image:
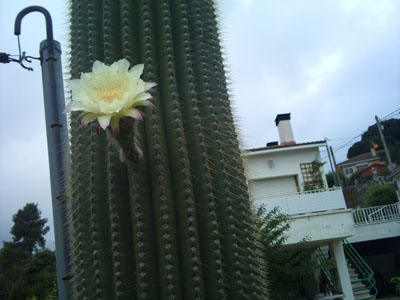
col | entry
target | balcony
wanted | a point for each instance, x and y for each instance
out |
(376, 214)
(306, 202)
(376, 222)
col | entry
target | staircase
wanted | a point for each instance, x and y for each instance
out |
(326, 263)
(361, 275)
(360, 290)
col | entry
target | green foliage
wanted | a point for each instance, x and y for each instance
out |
(23, 273)
(352, 180)
(385, 172)
(29, 228)
(317, 180)
(391, 132)
(396, 282)
(20, 290)
(40, 273)
(380, 195)
(289, 269)
(35, 275)
(329, 179)
(12, 259)
(175, 223)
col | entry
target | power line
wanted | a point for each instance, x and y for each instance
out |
(391, 114)
(344, 145)
(352, 139)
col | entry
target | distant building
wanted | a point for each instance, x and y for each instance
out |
(365, 161)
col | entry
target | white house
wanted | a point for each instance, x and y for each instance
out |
(285, 175)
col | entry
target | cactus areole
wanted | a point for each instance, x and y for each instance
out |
(159, 207)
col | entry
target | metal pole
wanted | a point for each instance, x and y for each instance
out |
(384, 143)
(330, 162)
(57, 143)
(336, 168)
(57, 135)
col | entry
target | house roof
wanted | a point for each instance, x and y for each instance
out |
(362, 157)
(287, 146)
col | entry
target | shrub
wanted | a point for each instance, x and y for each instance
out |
(380, 195)
(396, 282)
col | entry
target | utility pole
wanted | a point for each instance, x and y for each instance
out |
(334, 163)
(57, 135)
(384, 143)
(333, 171)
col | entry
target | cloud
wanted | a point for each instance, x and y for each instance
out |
(246, 3)
(325, 68)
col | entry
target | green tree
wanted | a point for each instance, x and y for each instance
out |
(40, 273)
(290, 270)
(12, 259)
(329, 179)
(380, 195)
(24, 273)
(20, 291)
(29, 228)
(391, 132)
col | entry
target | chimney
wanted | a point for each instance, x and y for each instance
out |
(373, 152)
(282, 121)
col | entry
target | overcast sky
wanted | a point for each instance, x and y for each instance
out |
(333, 64)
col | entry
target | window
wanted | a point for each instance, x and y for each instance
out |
(307, 172)
(348, 170)
(361, 167)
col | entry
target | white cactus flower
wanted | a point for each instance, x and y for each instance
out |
(110, 93)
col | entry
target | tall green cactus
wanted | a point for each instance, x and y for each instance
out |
(175, 223)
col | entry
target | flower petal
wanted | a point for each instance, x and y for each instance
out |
(104, 121)
(76, 105)
(149, 85)
(144, 103)
(143, 96)
(137, 70)
(133, 113)
(97, 66)
(109, 108)
(67, 108)
(87, 119)
(122, 65)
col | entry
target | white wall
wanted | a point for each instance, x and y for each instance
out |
(286, 162)
(321, 227)
(301, 203)
(376, 231)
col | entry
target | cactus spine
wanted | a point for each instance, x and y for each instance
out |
(176, 223)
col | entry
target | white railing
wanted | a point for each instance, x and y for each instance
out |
(306, 202)
(376, 214)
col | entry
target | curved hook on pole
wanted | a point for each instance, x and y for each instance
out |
(49, 25)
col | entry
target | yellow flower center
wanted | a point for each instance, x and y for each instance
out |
(109, 95)
(110, 91)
